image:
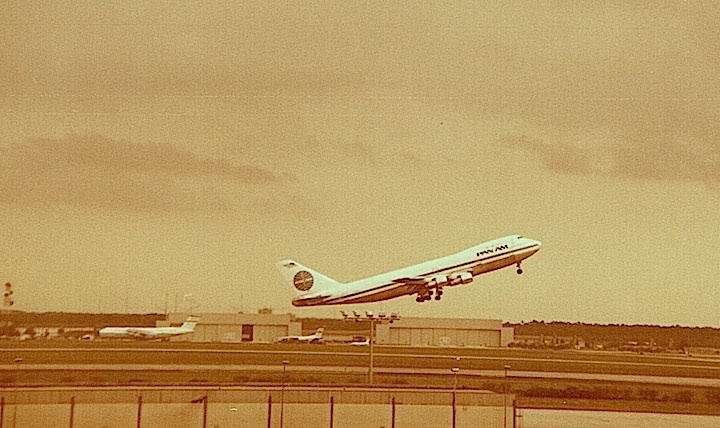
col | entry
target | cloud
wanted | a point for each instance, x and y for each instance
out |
(652, 160)
(98, 172)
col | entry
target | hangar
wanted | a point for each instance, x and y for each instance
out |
(264, 327)
(234, 328)
(444, 332)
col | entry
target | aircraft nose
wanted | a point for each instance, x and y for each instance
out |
(534, 243)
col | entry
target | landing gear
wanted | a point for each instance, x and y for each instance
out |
(425, 297)
(519, 270)
(429, 295)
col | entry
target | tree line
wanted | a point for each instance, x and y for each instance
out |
(619, 335)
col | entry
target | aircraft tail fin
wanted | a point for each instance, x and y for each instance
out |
(302, 278)
(190, 323)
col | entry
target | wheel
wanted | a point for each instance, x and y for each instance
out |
(438, 297)
(519, 271)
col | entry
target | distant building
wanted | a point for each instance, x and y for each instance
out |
(235, 328)
(548, 342)
(462, 332)
(264, 327)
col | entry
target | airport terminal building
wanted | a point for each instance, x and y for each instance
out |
(421, 332)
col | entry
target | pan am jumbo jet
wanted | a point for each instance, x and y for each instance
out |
(424, 279)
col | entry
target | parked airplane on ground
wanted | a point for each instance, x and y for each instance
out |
(312, 338)
(149, 332)
(422, 279)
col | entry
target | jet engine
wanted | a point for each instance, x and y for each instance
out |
(438, 281)
(461, 278)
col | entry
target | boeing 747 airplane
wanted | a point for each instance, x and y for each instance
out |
(424, 279)
(149, 332)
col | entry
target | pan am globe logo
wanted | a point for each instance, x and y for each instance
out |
(303, 280)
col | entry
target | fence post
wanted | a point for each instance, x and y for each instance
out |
(2, 411)
(139, 416)
(393, 412)
(204, 400)
(205, 412)
(332, 410)
(269, 411)
(454, 409)
(72, 411)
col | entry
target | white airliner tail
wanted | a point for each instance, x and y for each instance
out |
(190, 323)
(304, 279)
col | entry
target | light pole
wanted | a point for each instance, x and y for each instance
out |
(282, 392)
(455, 371)
(371, 344)
(18, 360)
(505, 368)
(17, 370)
(381, 318)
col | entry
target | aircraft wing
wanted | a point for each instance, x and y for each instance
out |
(437, 279)
(418, 280)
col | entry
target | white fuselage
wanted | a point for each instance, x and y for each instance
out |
(301, 339)
(142, 332)
(486, 257)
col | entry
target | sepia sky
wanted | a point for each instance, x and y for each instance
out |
(159, 149)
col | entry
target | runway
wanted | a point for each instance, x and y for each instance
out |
(327, 359)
